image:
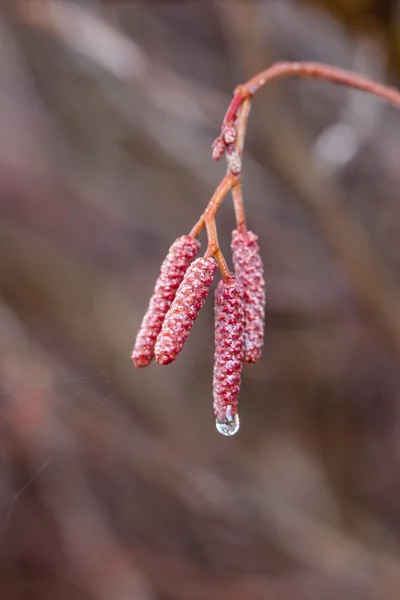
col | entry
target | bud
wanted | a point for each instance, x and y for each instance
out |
(188, 302)
(218, 149)
(233, 160)
(229, 353)
(173, 269)
(229, 134)
(250, 275)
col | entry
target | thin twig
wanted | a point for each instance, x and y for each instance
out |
(314, 71)
(231, 140)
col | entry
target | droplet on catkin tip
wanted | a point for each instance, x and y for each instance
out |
(228, 427)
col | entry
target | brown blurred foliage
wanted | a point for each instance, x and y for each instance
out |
(114, 483)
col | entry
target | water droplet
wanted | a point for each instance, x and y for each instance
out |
(226, 427)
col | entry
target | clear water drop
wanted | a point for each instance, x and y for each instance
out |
(225, 427)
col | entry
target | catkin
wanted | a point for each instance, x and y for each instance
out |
(229, 349)
(249, 272)
(188, 302)
(173, 269)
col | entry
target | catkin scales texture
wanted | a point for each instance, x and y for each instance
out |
(188, 302)
(249, 272)
(229, 349)
(173, 269)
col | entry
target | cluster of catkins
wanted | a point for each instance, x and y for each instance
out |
(179, 294)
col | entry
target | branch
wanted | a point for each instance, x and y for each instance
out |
(233, 131)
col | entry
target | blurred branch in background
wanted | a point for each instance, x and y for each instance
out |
(114, 484)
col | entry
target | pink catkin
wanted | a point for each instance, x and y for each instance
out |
(229, 349)
(187, 304)
(250, 276)
(173, 269)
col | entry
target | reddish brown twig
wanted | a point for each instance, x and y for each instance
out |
(305, 70)
(231, 140)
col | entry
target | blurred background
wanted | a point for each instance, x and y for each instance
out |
(114, 483)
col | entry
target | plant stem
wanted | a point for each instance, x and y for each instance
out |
(235, 124)
(313, 71)
(237, 195)
(214, 204)
(239, 205)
